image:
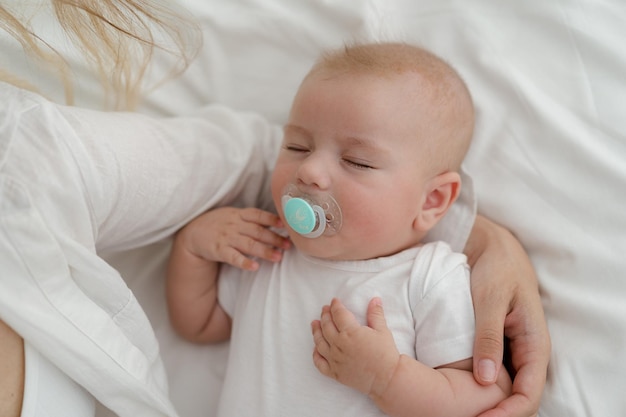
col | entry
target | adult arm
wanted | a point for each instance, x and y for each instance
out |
(507, 303)
(11, 372)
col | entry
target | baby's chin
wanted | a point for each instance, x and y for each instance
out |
(323, 247)
(334, 248)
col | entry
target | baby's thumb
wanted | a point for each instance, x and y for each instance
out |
(376, 315)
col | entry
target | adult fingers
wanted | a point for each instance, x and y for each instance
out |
(530, 354)
(490, 311)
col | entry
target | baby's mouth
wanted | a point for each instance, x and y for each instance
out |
(311, 215)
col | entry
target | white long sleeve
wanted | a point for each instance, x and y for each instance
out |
(75, 181)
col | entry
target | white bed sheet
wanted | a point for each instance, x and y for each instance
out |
(548, 159)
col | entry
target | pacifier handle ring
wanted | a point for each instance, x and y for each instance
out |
(321, 222)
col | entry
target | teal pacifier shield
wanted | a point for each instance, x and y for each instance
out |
(300, 215)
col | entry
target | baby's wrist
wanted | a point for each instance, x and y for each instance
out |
(384, 379)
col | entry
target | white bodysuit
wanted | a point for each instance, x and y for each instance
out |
(427, 303)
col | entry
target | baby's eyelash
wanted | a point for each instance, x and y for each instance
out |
(358, 165)
(295, 148)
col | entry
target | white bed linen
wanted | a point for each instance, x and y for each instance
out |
(548, 159)
(548, 79)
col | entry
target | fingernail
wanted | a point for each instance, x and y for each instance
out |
(487, 370)
(252, 266)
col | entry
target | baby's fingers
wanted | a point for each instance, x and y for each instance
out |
(342, 318)
(262, 217)
(321, 350)
(264, 236)
(253, 247)
(327, 325)
(237, 259)
(321, 363)
(321, 345)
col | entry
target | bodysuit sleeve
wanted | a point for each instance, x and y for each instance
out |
(443, 310)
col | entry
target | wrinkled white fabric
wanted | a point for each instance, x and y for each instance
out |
(49, 392)
(74, 182)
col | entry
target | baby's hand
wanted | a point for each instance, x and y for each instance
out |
(233, 235)
(362, 357)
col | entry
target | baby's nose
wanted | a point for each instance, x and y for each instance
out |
(314, 171)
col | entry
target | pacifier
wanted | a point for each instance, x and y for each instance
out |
(311, 216)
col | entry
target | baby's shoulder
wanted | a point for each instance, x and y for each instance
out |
(436, 262)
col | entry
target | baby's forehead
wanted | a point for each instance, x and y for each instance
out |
(437, 87)
(384, 59)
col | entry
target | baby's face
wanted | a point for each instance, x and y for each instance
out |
(357, 138)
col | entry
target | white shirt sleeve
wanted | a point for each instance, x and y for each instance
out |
(146, 177)
(75, 182)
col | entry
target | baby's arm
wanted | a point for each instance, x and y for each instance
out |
(221, 235)
(192, 295)
(366, 358)
(449, 390)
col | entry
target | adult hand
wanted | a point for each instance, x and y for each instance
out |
(234, 235)
(507, 302)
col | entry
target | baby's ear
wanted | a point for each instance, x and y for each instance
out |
(439, 194)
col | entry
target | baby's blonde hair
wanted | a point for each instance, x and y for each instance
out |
(448, 94)
(117, 37)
